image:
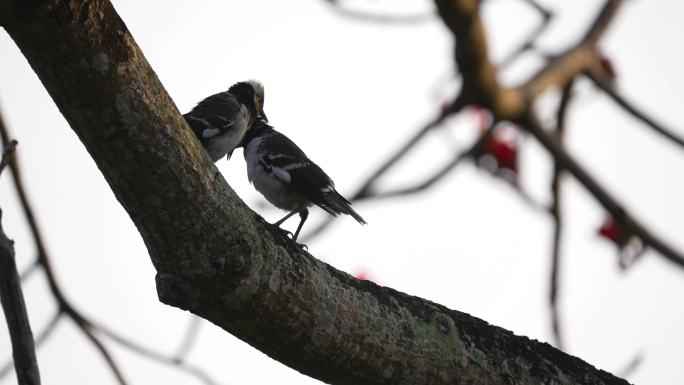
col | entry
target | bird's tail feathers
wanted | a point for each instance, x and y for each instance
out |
(337, 203)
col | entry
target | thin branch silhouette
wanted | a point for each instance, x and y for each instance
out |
(13, 304)
(556, 214)
(608, 88)
(40, 338)
(528, 42)
(618, 212)
(86, 326)
(377, 17)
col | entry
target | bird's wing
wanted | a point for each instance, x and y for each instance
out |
(215, 115)
(287, 162)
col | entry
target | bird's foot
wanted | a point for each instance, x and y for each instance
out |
(283, 233)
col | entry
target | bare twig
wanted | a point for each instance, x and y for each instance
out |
(189, 338)
(565, 67)
(427, 183)
(556, 214)
(86, 327)
(458, 157)
(365, 191)
(41, 337)
(29, 270)
(44, 260)
(7, 154)
(529, 41)
(381, 18)
(366, 186)
(611, 205)
(538, 7)
(180, 364)
(606, 86)
(631, 366)
(13, 305)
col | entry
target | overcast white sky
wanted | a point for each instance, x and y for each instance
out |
(348, 93)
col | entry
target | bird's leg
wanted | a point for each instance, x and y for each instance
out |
(303, 214)
(291, 213)
(284, 232)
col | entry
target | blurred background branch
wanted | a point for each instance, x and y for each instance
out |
(90, 329)
(12, 298)
(480, 87)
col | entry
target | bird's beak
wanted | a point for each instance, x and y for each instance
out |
(230, 154)
(263, 115)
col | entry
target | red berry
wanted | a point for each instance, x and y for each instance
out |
(607, 66)
(505, 152)
(611, 230)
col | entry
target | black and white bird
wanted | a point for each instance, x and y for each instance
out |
(287, 178)
(221, 120)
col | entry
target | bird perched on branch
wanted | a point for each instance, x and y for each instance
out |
(287, 178)
(221, 120)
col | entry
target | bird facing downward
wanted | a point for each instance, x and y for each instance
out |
(221, 120)
(287, 178)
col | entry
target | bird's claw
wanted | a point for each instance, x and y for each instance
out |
(283, 232)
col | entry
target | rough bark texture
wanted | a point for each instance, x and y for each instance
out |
(217, 259)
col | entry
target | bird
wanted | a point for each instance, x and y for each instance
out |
(287, 178)
(221, 120)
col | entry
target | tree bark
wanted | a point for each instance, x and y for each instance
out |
(217, 259)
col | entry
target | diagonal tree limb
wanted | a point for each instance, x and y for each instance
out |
(618, 212)
(216, 258)
(366, 189)
(606, 86)
(151, 354)
(428, 182)
(367, 185)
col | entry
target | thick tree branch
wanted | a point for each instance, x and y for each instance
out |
(216, 258)
(480, 84)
